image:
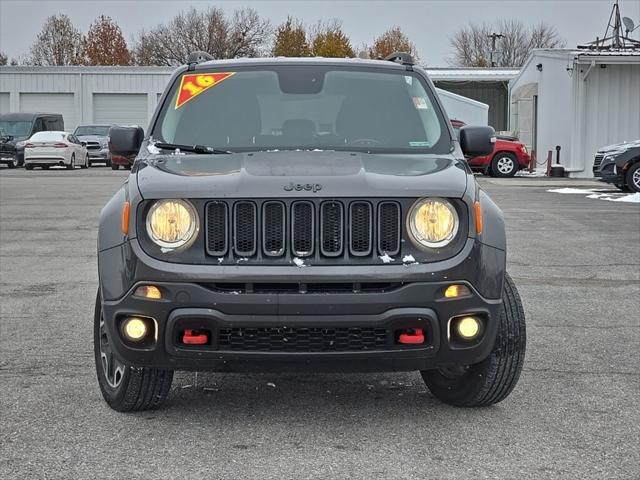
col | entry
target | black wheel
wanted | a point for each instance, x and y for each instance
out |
(114, 166)
(72, 164)
(127, 167)
(45, 167)
(504, 165)
(493, 379)
(633, 178)
(13, 163)
(126, 388)
(622, 187)
(107, 163)
(86, 162)
(28, 166)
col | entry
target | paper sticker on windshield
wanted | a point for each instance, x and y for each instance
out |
(193, 85)
(420, 103)
(419, 144)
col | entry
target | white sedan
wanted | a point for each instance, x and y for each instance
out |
(48, 149)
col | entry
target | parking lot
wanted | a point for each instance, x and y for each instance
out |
(574, 414)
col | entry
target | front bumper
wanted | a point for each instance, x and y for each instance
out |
(99, 155)
(190, 301)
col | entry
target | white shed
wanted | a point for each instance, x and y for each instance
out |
(579, 100)
(462, 108)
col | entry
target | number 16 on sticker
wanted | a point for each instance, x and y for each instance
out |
(193, 85)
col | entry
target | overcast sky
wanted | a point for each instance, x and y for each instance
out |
(428, 23)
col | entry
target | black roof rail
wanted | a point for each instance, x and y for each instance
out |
(403, 58)
(196, 57)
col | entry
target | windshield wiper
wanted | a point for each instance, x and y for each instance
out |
(191, 148)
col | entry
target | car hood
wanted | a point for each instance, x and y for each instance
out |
(619, 146)
(299, 174)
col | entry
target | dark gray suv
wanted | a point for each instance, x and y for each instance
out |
(304, 215)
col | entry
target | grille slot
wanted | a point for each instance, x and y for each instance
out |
(273, 228)
(244, 229)
(360, 229)
(302, 226)
(302, 339)
(217, 228)
(331, 228)
(389, 228)
(598, 159)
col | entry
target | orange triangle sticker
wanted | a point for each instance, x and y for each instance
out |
(194, 84)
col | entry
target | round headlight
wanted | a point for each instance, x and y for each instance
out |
(172, 223)
(433, 222)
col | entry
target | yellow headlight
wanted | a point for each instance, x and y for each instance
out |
(172, 223)
(433, 222)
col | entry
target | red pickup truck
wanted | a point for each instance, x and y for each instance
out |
(508, 156)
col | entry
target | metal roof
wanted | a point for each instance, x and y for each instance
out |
(473, 74)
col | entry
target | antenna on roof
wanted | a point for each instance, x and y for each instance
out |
(614, 37)
(400, 57)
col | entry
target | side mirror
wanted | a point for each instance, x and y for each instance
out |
(125, 141)
(477, 141)
(84, 144)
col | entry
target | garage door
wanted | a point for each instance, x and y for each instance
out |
(120, 108)
(51, 103)
(4, 102)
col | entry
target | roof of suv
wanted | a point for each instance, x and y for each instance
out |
(18, 116)
(303, 61)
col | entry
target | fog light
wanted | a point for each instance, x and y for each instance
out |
(148, 291)
(134, 329)
(468, 328)
(454, 291)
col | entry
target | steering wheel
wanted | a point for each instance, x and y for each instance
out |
(365, 142)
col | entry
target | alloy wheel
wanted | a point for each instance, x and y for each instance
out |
(112, 368)
(636, 179)
(505, 165)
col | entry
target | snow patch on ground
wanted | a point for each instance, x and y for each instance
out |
(535, 173)
(386, 258)
(599, 194)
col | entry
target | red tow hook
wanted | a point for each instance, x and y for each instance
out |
(413, 336)
(193, 337)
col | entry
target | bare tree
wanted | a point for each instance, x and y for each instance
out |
(327, 39)
(58, 43)
(391, 41)
(291, 40)
(472, 45)
(208, 30)
(105, 45)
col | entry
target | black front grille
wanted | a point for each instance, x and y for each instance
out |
(389, 228)
(217, 228)
(331, 229)
(93, 146)
(279, 230)
(302, 219)
(598, 159)
(360, 238)
(244, 229)
(302, 339)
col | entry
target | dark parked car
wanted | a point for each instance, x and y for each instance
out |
(619, 164)
(96, 139)
(18, 127)
(508, 156)
(304, 215)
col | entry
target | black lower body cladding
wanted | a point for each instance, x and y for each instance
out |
(261, 318)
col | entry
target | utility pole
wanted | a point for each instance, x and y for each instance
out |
(494, 36)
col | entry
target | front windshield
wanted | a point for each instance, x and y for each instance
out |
(100, 130)
(15, 128)
(303, 107)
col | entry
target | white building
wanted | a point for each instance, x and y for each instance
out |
(579, 100)
(127, 95)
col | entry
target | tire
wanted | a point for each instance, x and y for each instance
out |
(493, 379)
(127, 167)
(28, 166)
(86, 162)
(45, 167)
(114, 166)
(622, 187)
(107, 163)
(72, 165)
(633, 177)
(129, 389)
(13, 163)
(504, 165)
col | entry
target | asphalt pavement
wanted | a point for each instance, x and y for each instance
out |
(574, 413)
